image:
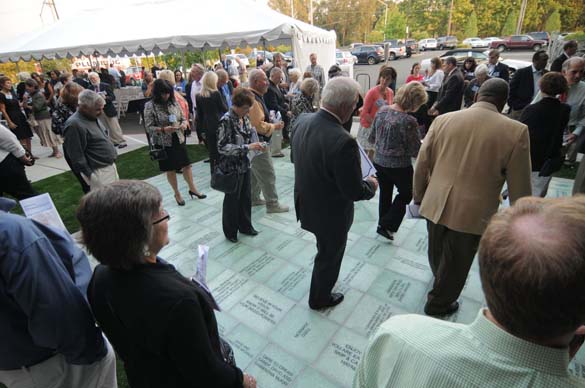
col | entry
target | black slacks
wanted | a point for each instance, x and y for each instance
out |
(450, 256)
(237, 208)
(330, 249)
(391, 213)
(13, 179)
(211, 143)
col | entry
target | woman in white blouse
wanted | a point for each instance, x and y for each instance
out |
(433, 80)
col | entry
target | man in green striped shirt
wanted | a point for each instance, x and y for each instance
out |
(532, 267)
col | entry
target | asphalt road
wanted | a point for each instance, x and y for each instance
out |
(367, 75)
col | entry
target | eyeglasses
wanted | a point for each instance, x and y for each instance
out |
(166, 217)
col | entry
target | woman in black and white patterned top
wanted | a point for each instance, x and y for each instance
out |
(166, 124)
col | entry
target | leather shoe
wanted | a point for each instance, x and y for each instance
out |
(232, 239)
(335, 299)
(385, 233)
(433, 311)
(251, 232)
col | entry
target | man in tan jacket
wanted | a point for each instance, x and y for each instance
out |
(263, 177)
(461, 168)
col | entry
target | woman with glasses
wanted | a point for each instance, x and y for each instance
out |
(166, 124)
(160, 323)
(235, 139)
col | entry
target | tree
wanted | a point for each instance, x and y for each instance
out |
(553, 23)
(299, 7)
(471, 26)
(509, 27)
(396, 26)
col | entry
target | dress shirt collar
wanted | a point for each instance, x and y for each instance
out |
(525, 353)
(539, 72)
(332, 114)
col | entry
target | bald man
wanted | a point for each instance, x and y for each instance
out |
(462, 165)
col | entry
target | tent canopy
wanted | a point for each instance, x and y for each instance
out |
(149, 26)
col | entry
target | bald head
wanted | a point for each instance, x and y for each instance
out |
(494, 91)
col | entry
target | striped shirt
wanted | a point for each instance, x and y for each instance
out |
(418, 351)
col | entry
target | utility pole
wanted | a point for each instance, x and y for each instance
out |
(521, 17)
(311, 11)
(52, 6)
(292, 8)
(450, 17)
(385, 16)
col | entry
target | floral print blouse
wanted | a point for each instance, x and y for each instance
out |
(158, 115)
(233, 136)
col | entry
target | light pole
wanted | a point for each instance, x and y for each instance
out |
(385, 16)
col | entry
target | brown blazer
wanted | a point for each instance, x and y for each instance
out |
(463, 163)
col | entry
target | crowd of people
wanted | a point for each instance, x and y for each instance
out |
(447, 121)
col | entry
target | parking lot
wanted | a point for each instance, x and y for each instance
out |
(367, 75)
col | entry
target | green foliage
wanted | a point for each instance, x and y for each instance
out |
(471, 26)
(396, 26)
(578, 36)
(509, 27)
(553, 23)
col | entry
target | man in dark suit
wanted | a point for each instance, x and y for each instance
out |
(328, 179)
(524, 84)
(569, 49)
(497, 69)
(451, 92)
(275, 101)
(110, 116)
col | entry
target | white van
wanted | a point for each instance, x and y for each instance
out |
(427, 44)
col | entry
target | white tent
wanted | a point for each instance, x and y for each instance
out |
(152, 26)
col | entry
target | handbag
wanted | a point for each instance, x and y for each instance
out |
(224, 182)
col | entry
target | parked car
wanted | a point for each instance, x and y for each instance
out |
(427, 44)
(475, 42)
(396, 49)
(540, 35)
(265, 54)
(460, 55)
(133, 75)
(369, 54)
(446, 42)
(344, 58)
(243, 58)
(518, 42)
(411, 47)
(490, 39)
(355, 45)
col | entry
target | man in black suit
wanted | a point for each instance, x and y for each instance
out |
(451, 92)
(275, 101)
(524, 84)
(328, 179)
(497, 69)
(569, 49)
(110, 116)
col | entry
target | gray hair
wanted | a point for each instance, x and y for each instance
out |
(340, 92)
(255, 76)
(481, 69)
(309, 87)
(275, 70)
(494, 89)
(116, 222)
(222, 74)
(296, 72)
(167, 75)
(23, 76)
(93, 74)
(571, 61)
(90, 99)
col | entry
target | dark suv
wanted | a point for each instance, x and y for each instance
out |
(369, 54)
(411, 47)
(446, 42)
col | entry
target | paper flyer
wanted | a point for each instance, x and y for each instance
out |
(201, 273)
(42, 209)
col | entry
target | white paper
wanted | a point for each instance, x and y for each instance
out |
(200, 276)
(42, 209)
(412, 211)
(368, 168)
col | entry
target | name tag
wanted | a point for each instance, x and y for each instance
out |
(172, 119)
(496, 73)
(475, 88)
(8, 96)
(380, 103)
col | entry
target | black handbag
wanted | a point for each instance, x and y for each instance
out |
(224, 182)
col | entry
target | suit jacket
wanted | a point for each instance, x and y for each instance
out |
(209, 112)
(464, 160)
(274, 99)
(109, 109)
(546, 120)
(557, 64)
(328, 177)
(501, 71)
(522, 88)
(451, 93)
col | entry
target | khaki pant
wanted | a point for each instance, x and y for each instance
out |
(102, 176)
(263, 179)
(114, 129)
(276, 142)
(57, 373)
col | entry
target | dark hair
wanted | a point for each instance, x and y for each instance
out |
(3, 80)
(334, 71)
(32, 83)
(415, 64)
(160, 87)
(180, 72)
(437, 62)
(242, 97)
(570, 44)
(63, 78)
(536, 56)
(532, 266)
(472, 61)
(450, 60)
(116, 222)
(387, 72)
(553, 83)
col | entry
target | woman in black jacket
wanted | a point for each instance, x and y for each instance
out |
(546, 120)
(160, 323)
(210, 109)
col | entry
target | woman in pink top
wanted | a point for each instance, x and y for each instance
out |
(415, 74)
(377, 97)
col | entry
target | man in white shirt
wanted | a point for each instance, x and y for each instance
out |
(116, 74)
(13, 158)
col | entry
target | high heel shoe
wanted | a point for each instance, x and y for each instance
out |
(200, 196)
(181, 202)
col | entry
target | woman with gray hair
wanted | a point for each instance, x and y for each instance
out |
(303, 102)
(294, 86)
(160, 323)
(470, 93)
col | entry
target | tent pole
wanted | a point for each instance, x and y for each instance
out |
(183, 59)
(17, 68)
